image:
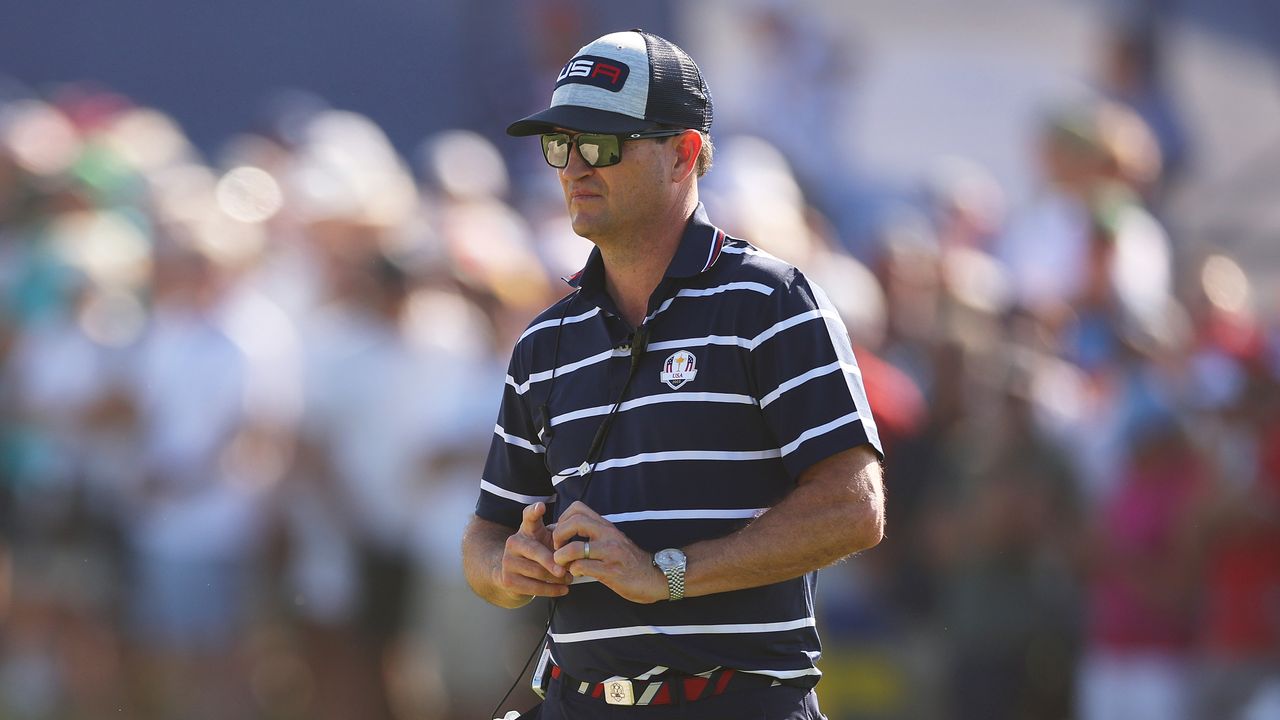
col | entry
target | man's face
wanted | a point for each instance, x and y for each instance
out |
(614, 201)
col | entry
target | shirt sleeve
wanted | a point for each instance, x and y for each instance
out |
(810, 388)
(515, 473)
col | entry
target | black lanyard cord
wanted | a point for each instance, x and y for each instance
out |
(639, 343)
(543, 414)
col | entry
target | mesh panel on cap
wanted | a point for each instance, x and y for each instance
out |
(677, 93)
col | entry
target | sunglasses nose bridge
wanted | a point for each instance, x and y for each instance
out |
(576, 162)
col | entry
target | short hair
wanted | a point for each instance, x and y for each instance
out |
(706, 155)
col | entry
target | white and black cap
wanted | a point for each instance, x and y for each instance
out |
(625, 82)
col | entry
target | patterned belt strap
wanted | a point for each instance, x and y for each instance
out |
(667, 691)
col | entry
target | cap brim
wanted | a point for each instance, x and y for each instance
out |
(578, 119)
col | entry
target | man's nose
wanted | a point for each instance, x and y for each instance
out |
(577, 166)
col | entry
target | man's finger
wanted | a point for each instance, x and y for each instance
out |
(577, 526)
(580, 508)
(525, 546)
(587, 568)
(578, 551)
(531, 518)
(526, 568)
(529, 586)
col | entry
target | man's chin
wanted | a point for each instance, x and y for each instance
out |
(584, 226)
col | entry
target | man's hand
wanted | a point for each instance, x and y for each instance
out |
(527, 567)
(615, 560)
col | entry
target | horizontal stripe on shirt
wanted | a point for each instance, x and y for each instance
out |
(708, 514)
(747, 250)
(552, 323)
(818, 431)
(806, 377)
(517, 441)
(522, 388)
(790, 322)
(785, 674)
(670, 456)
(707, 292)
(492, 489)
(731, 398)
(708, 455)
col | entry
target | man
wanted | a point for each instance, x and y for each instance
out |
(691, 418)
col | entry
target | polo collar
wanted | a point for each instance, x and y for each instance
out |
(699, 248)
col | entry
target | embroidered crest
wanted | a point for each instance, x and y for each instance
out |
(681, 367)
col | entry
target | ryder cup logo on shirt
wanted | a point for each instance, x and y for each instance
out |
(596, 71)
(681, 367)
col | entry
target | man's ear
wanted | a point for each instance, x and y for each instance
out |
(687, 145)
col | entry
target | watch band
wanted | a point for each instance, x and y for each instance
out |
(672, 563)
(675, 582)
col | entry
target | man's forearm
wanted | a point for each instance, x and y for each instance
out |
(836, 512)
(482, 548)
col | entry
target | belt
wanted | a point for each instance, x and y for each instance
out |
(663, 691)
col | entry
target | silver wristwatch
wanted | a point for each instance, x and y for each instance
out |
(672, 563)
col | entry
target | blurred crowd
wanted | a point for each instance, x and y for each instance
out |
(246, 401)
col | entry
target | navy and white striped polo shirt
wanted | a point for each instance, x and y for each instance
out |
(748, 379)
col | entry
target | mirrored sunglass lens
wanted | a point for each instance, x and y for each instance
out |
(590, 150)
(599, 150)
(556, 149)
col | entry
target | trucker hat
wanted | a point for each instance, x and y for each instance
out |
(625, 82)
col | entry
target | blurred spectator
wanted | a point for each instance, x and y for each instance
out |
(68, 314)
(1240, 630)
(1045, 242)
(1132, 74)
(967, 204)
(488, 245)
(1086, 242)
(212, 388)
(909, 270)
(1236, 401)
(800, 64)
(1005, 522)
(1143, 580)
(856, 294)
(763, 198)
(373, 416)
(394, 350)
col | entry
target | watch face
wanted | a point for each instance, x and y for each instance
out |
(668, 558)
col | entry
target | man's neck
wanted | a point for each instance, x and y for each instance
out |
(633, 267)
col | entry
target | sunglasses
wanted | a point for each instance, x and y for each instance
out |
(597, 149)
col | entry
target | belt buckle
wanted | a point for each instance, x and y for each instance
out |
(619, 692)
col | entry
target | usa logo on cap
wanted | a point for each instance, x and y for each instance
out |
(681, 367)
(596, 71)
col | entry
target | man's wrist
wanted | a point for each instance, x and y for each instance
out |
(502, 596)
(660, 591)
(512, 600)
